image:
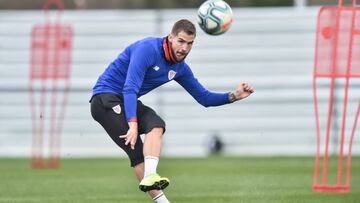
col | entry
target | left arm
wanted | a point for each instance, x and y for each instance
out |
(242, 91)
(207, 98)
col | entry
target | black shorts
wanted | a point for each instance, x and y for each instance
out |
(105, 110)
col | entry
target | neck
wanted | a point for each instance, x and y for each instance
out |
(168, 52)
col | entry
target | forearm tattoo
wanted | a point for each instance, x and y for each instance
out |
(232, 97)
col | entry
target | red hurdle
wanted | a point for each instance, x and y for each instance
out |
(51, 45)
(337, 60)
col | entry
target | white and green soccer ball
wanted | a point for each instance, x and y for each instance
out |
(215, 17)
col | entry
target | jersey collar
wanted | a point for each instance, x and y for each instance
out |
(168, 52)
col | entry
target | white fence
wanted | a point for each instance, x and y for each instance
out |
(273, 49)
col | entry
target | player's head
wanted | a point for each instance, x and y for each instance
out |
(181, 38)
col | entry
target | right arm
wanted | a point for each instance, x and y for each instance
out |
(142, 57)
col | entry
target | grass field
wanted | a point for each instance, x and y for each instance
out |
(195, 180)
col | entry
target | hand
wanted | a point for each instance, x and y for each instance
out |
(243, 90)
(131, 135)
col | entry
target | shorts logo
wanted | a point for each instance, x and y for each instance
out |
(117, 109)
(171, 74)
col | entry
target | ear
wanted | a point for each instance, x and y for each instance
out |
(171, 37)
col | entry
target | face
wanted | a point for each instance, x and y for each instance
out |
(181, 44)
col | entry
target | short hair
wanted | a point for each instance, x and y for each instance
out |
(183, 25)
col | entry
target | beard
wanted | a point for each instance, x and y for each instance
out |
(176, 56)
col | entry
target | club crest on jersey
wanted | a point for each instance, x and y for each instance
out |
(117, 109)
(171, 74)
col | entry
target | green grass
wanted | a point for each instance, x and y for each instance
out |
(193, 180)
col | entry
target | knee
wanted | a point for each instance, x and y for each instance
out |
(158, 131)
(155, 131)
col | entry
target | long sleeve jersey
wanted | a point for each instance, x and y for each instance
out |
(142, 67)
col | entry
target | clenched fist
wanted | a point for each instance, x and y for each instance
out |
(242, 91)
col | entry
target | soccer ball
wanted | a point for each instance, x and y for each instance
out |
(215, 17)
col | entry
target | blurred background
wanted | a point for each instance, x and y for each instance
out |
(271, 45)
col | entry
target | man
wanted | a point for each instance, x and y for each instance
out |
(140, 68)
